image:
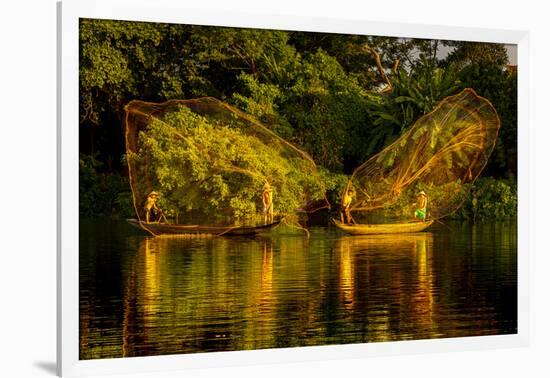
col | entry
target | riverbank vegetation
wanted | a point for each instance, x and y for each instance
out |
(217, 166)
(341, 98)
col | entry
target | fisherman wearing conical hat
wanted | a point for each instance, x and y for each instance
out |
(421, 206)
(152, 211)
(267, 199)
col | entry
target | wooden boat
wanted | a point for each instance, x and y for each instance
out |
(157, 229)
(385, 228)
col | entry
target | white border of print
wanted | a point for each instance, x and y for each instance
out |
(69, 12)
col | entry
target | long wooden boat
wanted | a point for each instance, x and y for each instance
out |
(157, 229)
(386, 228)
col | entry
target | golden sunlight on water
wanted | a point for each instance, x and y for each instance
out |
(144, 296)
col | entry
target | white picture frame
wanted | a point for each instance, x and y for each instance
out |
(69, 12)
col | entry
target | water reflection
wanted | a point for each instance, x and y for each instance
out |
(177, 295)
(398, 295)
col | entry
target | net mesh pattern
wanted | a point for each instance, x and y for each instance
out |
(441, 154)
(209, 162)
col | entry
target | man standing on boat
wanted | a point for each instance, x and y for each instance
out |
(345, 204)
(152, 211)
(422, 205)
(267, 199)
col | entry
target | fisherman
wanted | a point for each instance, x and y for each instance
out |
(152, 211)
(421, 206)
(267, 199)
(345, 205)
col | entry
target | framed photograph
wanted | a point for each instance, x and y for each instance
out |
(240, 189)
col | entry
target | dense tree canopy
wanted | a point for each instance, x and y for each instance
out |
(341, 98)
(217, 169)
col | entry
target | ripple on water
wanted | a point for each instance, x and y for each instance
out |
(145, 296)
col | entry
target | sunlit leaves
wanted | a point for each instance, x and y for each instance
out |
(449, 146)
(218, 169)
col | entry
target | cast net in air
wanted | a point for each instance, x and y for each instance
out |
(210, 164)
(441, 155)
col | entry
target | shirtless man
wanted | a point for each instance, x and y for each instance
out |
(344, 206)
(267, 199)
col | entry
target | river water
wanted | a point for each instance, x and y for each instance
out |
(143, 296)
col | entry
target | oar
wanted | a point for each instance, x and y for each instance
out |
(163, 216)
(298, 227)
(438, 221)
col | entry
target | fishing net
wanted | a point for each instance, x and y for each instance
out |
(441, 155)
(210, 164)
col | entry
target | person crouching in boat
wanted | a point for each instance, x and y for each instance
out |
(345, 205)
(267, 199)
(421, 206)
(152, 211)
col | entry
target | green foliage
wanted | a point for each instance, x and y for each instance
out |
(425, 86)
(351, 53)
(102, 193)
(477, 53)
(404, 203)
(490, 198)
(334, 184)
(415, 93)
(487, 199)
(216, 170)
(327, 109)
(115, 60)
(320, 91)
(317, 106)
(261, 101)
(500, 87)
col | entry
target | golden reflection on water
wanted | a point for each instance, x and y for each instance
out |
(415, 249)
(151, 253)
(422, 300)
(155, 298)
(260, 300)
(194, 295)
(346, 273)
(259, 292)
